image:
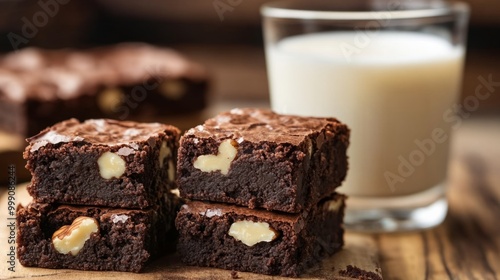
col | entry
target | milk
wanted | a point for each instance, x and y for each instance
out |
(392, 89)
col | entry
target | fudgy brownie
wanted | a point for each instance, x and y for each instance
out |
(93, 238)
(126, 81)
(253, 240)
(259, 159)
(102, 162)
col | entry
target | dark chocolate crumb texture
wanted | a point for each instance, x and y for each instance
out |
(260, 159)
(94, 238)
(253, 240)
(102, 162)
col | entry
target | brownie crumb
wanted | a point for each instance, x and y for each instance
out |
(358, 273)
(234, 274)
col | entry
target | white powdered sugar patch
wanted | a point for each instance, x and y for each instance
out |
(125, 151)
(223, 119)
(119, 218)
(28, 59)
(99, 125)
(131, 132)
(38, 145)
(53, 138)
(134, 146)
(12, 87)
(236, 111)
(211, 213)
(67, 83)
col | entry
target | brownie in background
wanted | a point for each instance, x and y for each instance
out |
(128, 81)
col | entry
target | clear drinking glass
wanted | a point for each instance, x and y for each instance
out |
(390, 70)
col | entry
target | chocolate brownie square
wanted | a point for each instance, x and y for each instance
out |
(94, 238)
(260, 159)
(150, 82)
(253, 240)
(126, 81)
(102, 162)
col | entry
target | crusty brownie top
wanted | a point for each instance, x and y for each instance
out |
(101, 132)
(34, 73)
(256, 125)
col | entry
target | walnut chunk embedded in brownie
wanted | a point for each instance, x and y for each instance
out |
(118, 239)
(264, 242)
(102, 162)
(260, 159)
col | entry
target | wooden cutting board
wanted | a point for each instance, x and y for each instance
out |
(359, 252)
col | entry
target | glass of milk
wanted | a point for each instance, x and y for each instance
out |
(391, 71)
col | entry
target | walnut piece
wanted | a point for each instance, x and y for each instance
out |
(71, 238)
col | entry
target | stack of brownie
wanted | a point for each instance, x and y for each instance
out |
(262, 191)
(101, 198)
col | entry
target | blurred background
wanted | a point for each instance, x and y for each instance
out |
(224, 35)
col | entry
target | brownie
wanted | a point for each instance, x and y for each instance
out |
(209, 237)
(102, 162)
(123, 239)
(128, 81)
(279, 162)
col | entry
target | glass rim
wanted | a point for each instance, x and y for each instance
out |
(285, 10)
